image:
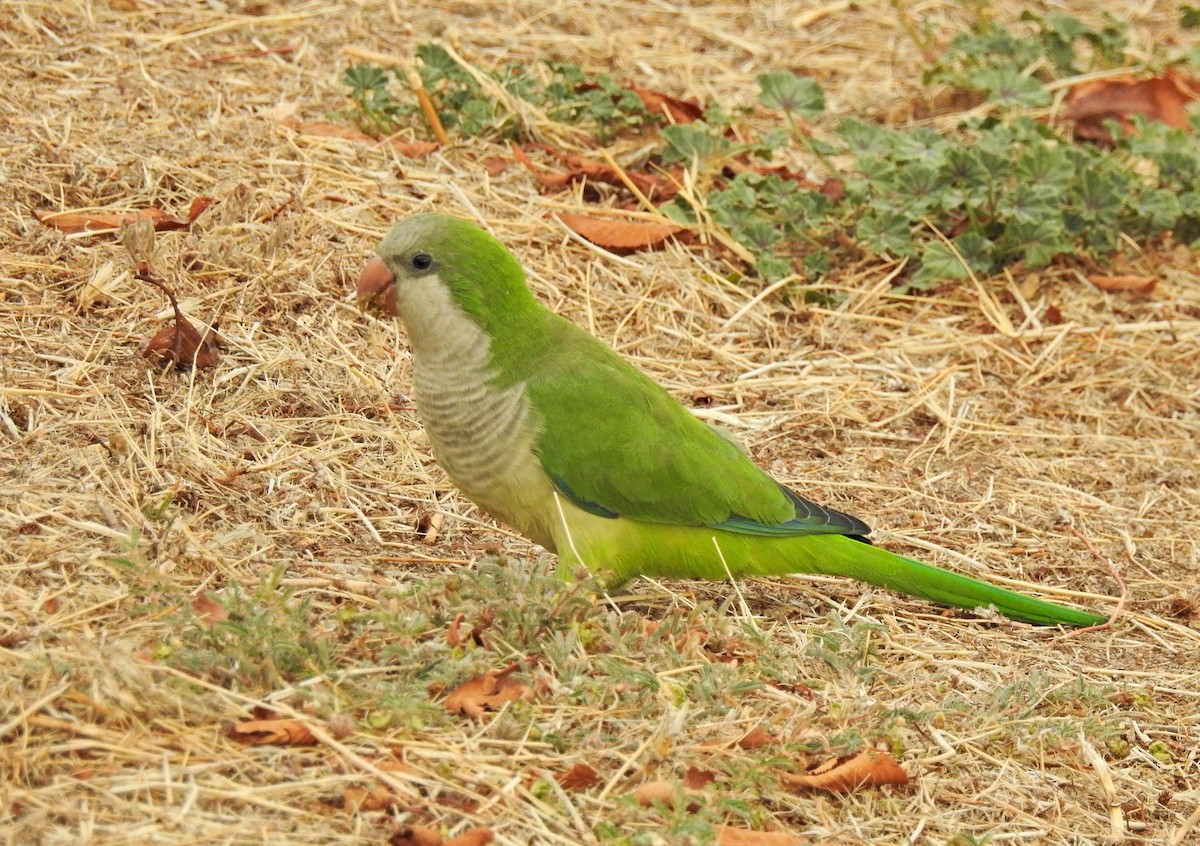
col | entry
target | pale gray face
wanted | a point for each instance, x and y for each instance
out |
(431, 261)
(392, 281)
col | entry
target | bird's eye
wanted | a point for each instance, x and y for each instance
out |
(422, 261)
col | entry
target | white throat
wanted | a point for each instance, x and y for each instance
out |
(482, 434)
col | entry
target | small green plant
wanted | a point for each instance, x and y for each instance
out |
(999, 192)
(990, 58)
(561, 90)
(374, 110)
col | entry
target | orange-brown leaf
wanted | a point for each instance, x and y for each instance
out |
(474, 837)
(367, 799)
(1135, 284)
(1162, 98)
(663, 791)
(654, 791)
(487, 691)
(846, 775)
(415, 835)
(580, 168)
(730, 836)
(102, 223)
(755, 738)
(698, 779)
(620, 236)
(453, 636)
(272, 733)
(183, 345)
(673, 108)
(579, 777)
(208, 611)
(495, 165)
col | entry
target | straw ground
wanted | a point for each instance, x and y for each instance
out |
(286, 486)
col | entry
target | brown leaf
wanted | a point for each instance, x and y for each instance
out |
(661, 791)
(580, 168)
(579, 777)
(755, 738)
(105, 223)
(208, 611)
(673, 108)
(620, 236)
(321, 129)
(415, 835)
(1162, 98)
(1142, 285)
(181, 344)
(487, 691)
(654, 791)
(453, 637)
(698, 779)
(367, 799)
(272, 733)
(495, 165)
(846, 775)
(730, 836)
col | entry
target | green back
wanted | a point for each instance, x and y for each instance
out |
(617, 444)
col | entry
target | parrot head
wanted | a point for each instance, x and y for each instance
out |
(429, 261)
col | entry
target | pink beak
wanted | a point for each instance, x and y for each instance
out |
(377, 288)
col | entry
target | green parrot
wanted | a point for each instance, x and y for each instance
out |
(547, 429)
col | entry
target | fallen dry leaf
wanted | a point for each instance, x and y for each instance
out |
(1162, 98)
(755, 738)
(272, 733)
(673, 109)
(654, 791)
(846, 775)
(1135, 284)
(698, 779)
(367, 799)
(100, 223)
(207, 610)
(620, 236)
(495, 165)
(487, 691)
(453, 636)
(579, 777)
(665, 792)
(320, 129)
(752, 739)
(415, 835)
(181, 344)
(730, 836)
(579, 168)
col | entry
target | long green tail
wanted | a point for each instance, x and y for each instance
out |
(678, 552)
(879, 567)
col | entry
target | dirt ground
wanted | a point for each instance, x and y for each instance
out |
(1060, 456)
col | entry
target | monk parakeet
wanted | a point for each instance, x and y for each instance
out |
(549, 430)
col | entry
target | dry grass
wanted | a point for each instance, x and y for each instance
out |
(288, 480)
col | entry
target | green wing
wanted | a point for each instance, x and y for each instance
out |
(616, 444)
